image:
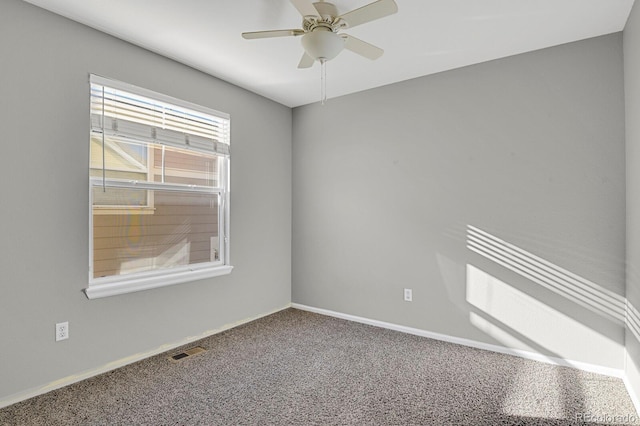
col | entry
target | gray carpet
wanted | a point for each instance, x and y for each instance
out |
(299, 368)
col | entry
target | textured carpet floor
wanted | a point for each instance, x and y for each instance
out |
(296, 367)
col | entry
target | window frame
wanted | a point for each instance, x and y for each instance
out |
(138, 281)
(148, 208)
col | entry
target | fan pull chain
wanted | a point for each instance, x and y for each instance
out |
(323, 81)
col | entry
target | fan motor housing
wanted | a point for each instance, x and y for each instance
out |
(327, 17)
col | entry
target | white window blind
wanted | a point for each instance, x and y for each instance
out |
(120, 110)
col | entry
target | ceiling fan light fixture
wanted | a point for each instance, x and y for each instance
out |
(320, 26)
(321, 44)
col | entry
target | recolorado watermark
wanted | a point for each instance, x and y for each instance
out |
(607, 418)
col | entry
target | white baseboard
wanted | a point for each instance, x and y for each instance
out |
(592, 368)
(631, 375)
(18, 397)
(632, 394)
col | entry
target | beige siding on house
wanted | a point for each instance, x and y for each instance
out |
(178, 232)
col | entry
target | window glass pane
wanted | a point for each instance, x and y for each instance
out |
(181, 229)
(153, 162)
(185, 167)
(119, 156)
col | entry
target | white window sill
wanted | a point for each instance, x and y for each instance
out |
(97, 290)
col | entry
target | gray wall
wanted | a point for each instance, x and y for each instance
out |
(632, 94)
(44, 117)
(522, 158)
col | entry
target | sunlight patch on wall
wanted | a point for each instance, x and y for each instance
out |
(559, 280)
(536, 324)
(501, 335)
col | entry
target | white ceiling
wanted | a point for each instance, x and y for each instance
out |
(424, 37)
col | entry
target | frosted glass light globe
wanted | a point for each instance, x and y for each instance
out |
(321, 44)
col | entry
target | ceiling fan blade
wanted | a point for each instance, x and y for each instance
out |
(272, 33)
(362, 47)
(306, 61)
(370, 12)
(305, 7)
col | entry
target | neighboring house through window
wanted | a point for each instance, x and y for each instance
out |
(159, 190)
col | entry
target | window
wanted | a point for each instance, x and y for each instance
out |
(159, 190)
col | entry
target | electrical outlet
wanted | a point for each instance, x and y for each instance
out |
(408, 295)
(62, 331)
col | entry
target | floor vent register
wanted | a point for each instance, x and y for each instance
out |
(187, 353)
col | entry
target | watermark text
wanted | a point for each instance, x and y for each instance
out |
(607, 418)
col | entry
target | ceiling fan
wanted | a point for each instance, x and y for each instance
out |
(321, 23)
